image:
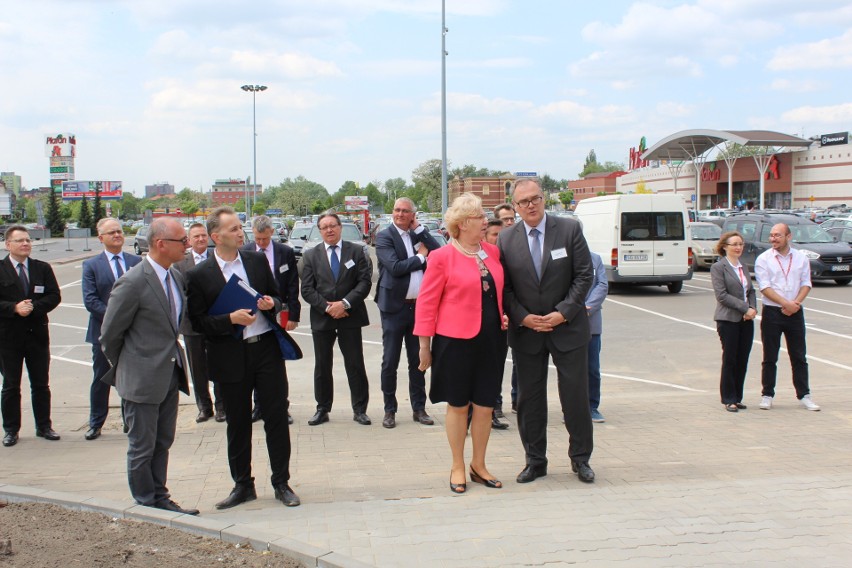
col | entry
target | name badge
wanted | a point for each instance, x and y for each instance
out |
(283, 268)
(556, 254)
(349, 263)
(38, 289)
(482, 254)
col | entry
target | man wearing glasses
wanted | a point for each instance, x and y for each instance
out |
(548, 272)
(401, 250)
(336, 279)
(28, 291)
(99, 275)
(139, 336)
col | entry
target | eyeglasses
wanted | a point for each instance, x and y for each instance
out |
(735, 244)
(184, 240)
(527, 202)
(328, 227)
(110, 233)
(21, 241)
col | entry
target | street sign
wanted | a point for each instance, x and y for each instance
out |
(692, 198)
(526, 174)
(274, 211)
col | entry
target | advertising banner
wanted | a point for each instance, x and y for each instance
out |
(60, 145)
(356, 202)
(74, 190)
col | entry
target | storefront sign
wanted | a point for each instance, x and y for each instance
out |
(835, 139)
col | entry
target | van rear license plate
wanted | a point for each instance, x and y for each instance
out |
(841, 268)
(641, 257)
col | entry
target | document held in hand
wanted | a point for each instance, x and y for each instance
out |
(236, 295)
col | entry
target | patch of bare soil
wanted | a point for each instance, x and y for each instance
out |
(47, 536)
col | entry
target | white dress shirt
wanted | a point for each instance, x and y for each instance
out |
(531, 240)
(161, 275)
(416, 277)
(786, 275)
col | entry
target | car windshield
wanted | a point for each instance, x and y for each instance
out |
(349, 233)
(705, 232)
(299, 232)
(810, 234)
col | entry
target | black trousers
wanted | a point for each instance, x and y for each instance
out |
(572, 378)
(264, 371)
(736, 338)
(398, 328)
(772, 325)
(200, 374)
(353, 361)
(99, 391)
(36, 355)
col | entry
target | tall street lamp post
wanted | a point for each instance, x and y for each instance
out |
(254, 89)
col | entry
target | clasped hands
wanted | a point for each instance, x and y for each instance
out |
(24, 308)
(790, 307)
(245, 317)
(543, 323)
(750, 314)
(337, 310)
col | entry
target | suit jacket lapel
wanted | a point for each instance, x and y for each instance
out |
(10, 269)
(549, 241)
(157, 287)
(104, 262)
(524, 244)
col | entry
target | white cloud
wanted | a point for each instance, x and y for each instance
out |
(798, 86)
(835, 115)
(830, 53)
(674, 109)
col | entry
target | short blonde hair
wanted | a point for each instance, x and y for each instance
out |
(464, 206)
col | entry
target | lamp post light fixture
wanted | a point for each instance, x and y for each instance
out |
(253, 89)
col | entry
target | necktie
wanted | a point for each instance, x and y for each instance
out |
(335, 262)
(171, 298)
(25, 282)
(263, 251)
(118, 270)
(536, 251)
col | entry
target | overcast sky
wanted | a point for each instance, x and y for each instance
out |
(151, 88)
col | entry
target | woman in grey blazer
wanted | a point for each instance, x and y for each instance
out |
(736, 308)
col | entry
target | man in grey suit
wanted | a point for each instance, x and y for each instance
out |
(99, 276)
(548, 273)
(139, 336)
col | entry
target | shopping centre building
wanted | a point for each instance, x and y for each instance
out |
(797, 172)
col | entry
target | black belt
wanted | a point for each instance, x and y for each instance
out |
(406, 301)
(256, 338)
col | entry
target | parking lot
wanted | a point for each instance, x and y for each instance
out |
(680, 482)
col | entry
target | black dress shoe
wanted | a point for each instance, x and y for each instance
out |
(496, 424)
(10, 439)
(318, 418)
(47, 434)
(362, 419)
(239, 494)
(93, 434)
(204, 415)
(389, 420)
(531, 473)
(498, 412)
(255, 414)
(583, 471)
(220, 415)
(289, 418)
(286, 495)
(170, 505)
(423, 418)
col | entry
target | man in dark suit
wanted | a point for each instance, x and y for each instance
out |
(139, 336)
(28, 291)
(194, 341)
(401, 250)
(243, 348)
(282, 263)
(99, 276)
(336, 279)
(548, 273)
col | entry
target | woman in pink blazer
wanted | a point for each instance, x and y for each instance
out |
(459, 319)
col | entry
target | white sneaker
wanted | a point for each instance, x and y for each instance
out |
(766, 403)
(808, 403)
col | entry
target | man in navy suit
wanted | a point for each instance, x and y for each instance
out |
(99, 275)
(28, 291)
(401, 250)
(282, 263)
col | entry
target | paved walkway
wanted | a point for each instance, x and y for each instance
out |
(680, 482)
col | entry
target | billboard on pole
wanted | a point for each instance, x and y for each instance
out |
(60, 145)
(356, 202)
(73, 190)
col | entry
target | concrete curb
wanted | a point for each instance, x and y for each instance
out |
(309, 555)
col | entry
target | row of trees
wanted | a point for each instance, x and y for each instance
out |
(299, 196)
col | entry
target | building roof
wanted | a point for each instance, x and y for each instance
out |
(690, 144)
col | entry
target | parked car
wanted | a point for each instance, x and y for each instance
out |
(378, 227)
(439, 236)
(830, 260)
(350, 232)
(298, 236)
(841, 234)
(837, 222)
(703, 236)
(140, 241)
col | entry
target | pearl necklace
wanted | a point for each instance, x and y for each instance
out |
(464, 251)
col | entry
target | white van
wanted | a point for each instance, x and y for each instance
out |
(643, 236)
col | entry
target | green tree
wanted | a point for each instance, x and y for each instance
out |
(97, 207)
(427, 184)
(548, 184)
(566, 197)
(55, 222)
(734, 150)
(85, 219)
(258, 208)
(593, 167)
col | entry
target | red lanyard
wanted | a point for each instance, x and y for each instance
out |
(781, 266)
